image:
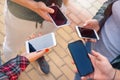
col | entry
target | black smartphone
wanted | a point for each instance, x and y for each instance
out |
(87, 33)
(58, 18)
(80, 56)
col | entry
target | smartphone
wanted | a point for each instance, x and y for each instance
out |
(40, 43)
(88, 46)
(58, 18)
(80, 56)
(87, 33)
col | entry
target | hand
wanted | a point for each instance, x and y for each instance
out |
(92, 24)
(102, 68)
(43, 10)
(34, 55)
(39, 7)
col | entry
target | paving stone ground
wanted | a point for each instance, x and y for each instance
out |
(59, 59)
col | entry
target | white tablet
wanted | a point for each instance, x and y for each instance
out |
(40, 43)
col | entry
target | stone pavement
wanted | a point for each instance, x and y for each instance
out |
(59, 58)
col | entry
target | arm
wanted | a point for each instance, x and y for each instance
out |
(104, 12)
(12, 69)
(38, 7)
(101, 16)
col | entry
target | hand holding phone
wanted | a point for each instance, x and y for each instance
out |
(58, 18)
(87, 33)
(41, 43)
(80, 57)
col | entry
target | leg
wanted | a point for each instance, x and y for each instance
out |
(16, 31)
(16, 34)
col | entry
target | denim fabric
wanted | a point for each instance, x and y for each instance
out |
(77, 76)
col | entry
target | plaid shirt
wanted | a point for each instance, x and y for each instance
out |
(12, 69)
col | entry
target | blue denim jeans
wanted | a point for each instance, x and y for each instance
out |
(77, 76)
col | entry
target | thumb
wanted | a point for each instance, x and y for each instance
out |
(97, 55)
(83, 78)
(45, 8)
(92, 58)
(35, 55)
(87, 23)
(49, 10)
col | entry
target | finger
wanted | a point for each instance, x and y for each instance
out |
(91, 76)
(47, 9)
(92, 58)
(39, 34)
(75, 70)
(87, 24)
(39, 52)
(85, 39)
(93, 40)
(98, 55)
(53, 4)
(45, 16)
(83, 78)
(72, 62)
(35, 55)
(31, 36)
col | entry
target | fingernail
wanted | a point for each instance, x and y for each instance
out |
(46, 50)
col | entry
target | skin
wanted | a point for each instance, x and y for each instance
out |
(39, 7)
(34, 55)
(91, 24)
(102, 68)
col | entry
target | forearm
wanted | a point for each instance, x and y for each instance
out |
(65, 2)
(30, 4)
(14, 67)
(104, 12)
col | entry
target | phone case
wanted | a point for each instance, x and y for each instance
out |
(80, 56)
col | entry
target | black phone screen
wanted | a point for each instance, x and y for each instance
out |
(87, 32)
(80, 57)
(58, 16)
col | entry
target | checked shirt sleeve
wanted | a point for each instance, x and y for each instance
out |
(14, 67)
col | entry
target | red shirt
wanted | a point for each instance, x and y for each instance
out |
(12, 69)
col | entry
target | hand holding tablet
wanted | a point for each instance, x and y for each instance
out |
(41, 43)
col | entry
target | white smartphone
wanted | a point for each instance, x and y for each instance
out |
(87, 33)
(40, 43)
(58, 18)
